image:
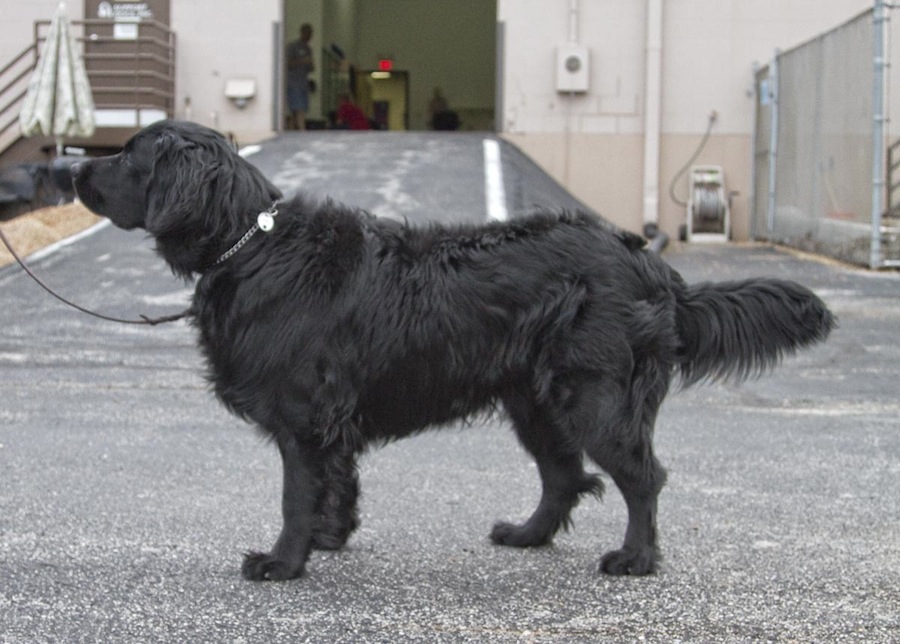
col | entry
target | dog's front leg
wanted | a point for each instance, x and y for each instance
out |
(303, 487)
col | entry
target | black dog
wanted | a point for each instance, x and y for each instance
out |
(331, 330)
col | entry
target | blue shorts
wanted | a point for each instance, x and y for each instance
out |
(298, 98)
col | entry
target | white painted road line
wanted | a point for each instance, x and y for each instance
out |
(494, 192)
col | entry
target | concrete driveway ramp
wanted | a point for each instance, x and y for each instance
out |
(417, 176)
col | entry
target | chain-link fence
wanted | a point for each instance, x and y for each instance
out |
(815, 186)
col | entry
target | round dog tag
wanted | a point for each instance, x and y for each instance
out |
(265, 221)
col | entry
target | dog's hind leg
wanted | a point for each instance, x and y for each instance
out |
(304, 468)
(640, 479)
(563, 478)
(336, 516)
(624, 449)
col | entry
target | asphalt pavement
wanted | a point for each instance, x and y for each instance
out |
(128, 495)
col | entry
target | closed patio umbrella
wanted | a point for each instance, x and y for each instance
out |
(58, 102)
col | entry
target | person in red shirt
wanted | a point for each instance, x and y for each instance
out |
(349, 116)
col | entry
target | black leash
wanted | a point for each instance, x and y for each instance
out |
(144, 319)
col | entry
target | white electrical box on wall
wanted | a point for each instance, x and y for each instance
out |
(573, 68)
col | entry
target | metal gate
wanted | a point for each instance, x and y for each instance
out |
(819, 146)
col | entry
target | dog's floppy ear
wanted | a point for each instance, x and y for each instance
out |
(187, 175)
(201, 196)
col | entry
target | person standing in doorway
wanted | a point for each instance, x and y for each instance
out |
(442, 117)
(299, 65)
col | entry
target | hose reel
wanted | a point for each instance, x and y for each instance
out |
(708, 211)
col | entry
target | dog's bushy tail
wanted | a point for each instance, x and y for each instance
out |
(741, 329)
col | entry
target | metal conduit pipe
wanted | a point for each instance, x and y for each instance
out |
(573, 21)
(652, 122)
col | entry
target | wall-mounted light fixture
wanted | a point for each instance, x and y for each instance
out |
(240, 91)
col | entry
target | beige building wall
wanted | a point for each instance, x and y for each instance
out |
(218, 41)
(593, 143)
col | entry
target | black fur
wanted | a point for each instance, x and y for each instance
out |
(338, 330)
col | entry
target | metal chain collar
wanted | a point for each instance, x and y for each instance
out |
(265, 222)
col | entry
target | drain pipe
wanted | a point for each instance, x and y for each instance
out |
(879, 118)
(652, 124)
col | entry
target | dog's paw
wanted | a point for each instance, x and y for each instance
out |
(519, 536)
(629, 562)
(261, 566)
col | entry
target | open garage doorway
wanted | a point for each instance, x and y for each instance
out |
(427, 47)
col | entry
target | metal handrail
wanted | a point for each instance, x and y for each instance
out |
(29, 49)
(139, 56)
(8, 124)
(15, 81)
(13, 77)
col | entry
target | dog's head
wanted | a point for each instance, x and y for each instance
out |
(184, 184)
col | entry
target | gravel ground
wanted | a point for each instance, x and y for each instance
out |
(127, 495)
